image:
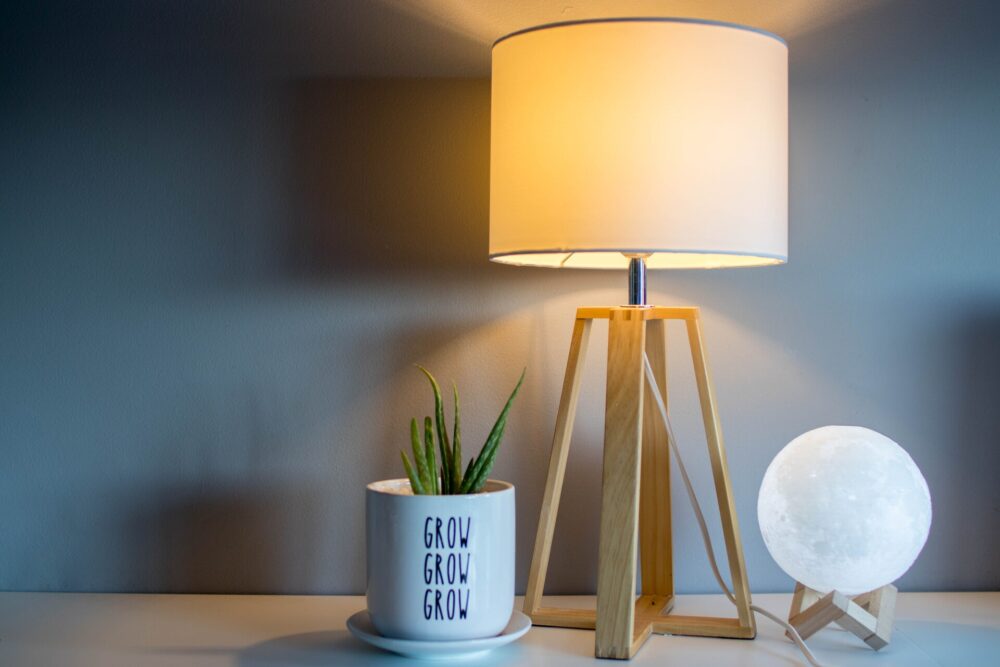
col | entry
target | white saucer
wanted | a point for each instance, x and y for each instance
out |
(360, 625)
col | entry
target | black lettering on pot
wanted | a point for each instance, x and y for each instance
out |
(447, 561)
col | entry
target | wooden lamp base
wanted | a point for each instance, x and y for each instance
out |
(868, 616)
(635, 496)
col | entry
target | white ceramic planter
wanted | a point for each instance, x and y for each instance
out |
(439, 567)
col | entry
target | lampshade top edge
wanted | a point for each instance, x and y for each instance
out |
(642, 19)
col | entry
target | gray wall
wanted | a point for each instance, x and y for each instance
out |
(215, 275)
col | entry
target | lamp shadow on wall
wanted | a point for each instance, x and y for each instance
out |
(390, 177)
(386, 193)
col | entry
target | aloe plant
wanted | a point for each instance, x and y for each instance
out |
(425, 477)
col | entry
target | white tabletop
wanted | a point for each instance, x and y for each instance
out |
(71, 630)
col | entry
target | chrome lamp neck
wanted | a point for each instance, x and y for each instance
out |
(637, 280)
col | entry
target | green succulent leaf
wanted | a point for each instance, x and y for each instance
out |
(420, 457)
(456, 443)
(447, 462)
(467, 478)
(484, 462)
(415, 484)
(423, 476)
(429, 454)
(487, 457)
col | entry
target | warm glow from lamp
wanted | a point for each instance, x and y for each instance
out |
(666, 137)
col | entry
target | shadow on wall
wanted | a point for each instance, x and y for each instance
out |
(267, 514)
(385, 247)
(222, 540)
(391, 182)
(973, 453)
(391, 176)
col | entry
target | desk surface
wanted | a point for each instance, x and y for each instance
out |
(68, 629)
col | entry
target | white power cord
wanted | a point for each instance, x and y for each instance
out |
(700, 517)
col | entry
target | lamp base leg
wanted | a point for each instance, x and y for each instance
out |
(635, 500)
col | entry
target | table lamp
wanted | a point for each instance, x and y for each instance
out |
(632, 144)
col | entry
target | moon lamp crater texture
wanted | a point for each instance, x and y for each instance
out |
(844, 508)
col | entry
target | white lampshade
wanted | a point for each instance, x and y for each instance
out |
(662, 136)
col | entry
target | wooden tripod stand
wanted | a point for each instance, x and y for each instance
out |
(869, 616)
(635, 499)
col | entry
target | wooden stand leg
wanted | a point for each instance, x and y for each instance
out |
(802, 598)
(821, 613)
(720, 471)
(880, 603)
(557, 466)
(635, 498)
(655, 553)
(616, 558)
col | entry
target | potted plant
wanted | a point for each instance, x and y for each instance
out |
(440, 542)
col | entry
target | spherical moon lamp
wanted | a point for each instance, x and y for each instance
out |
(843, 508)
